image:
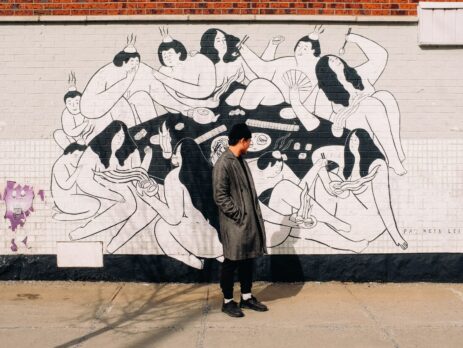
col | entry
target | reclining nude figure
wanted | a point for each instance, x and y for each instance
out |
(108, 94)
(369, 72)
(113, 150)
(359, 192)
(269, 88)
(291, 211)
(187, 226)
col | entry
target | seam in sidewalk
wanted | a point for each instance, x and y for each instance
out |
(203, 325)
(104, 308)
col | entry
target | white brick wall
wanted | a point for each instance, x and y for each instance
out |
(427, 83)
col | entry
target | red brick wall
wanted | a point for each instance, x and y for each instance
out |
(213, 7)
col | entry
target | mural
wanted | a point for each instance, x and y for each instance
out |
(139, 144)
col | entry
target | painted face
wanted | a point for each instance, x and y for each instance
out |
(177, 157)
(354, 143)
(18, 201)
(170, 57)
(336, 65)
(73, 105)
(133, 63)
(118, 140)
(303, 49)
(220, 44)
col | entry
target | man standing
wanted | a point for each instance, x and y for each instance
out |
(241, 224)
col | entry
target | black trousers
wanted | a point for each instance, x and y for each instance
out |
(245, 270)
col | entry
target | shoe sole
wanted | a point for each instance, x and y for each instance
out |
(232, 315)
(254, 309)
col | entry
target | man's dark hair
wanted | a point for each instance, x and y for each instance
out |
(315, 45)
(176, 45)
(329, 83)
(266, 159)
(124, 57)
(239, 131)
(72, 94)
(74, 147)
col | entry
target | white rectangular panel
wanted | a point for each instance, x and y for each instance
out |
(79, 254)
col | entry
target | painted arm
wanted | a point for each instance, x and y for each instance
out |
(222, 197)
(376, 55)
(319, 167)
(308, 120)
(274, 217)
(172, 210)
(69, 126)
(270, 50)
(204, 86)
(260, 67)
(97, 99)
(66, 182)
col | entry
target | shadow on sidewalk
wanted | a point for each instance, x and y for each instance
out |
(160, 305)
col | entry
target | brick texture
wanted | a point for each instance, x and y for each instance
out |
(210, 7)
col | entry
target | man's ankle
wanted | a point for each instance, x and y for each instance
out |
(246, 296)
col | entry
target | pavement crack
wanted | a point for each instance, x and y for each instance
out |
(203, 326)
(372, 317)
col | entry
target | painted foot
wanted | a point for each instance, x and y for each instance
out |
(361, 246)
(398, 168)
(402, 243)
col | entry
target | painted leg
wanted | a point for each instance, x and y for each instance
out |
(112, 216)
(323, 216)
(324, 235)
(143, 105)
(381, 128)
(382, 197)
(61, 138)
(160, 95)
(89, 206)
(142, 217)
(261, 92)
(164, 234)
(393, 114)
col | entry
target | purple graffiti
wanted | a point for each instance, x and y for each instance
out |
(18, 201)
(13, 246)
(41, 194)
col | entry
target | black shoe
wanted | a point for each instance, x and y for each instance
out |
(253, 304)
(232, 309)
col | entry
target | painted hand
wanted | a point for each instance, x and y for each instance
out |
(165, 141)
(276, 40)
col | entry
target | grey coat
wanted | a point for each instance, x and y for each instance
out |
(239, 230)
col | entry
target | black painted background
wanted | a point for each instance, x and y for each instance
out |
(275, 268)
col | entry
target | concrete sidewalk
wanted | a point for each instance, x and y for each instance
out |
(78, 314)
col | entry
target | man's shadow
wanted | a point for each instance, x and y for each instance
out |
(279, 270)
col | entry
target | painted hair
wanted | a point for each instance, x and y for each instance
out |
(239, 131)
(208, 49)
(367, 150)
(315, 45)
(72, 94)
(329, 83)
(74, 147)
(124, 57)
(266, 159)
(196, 176)
(176, 45)
(101, 144)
